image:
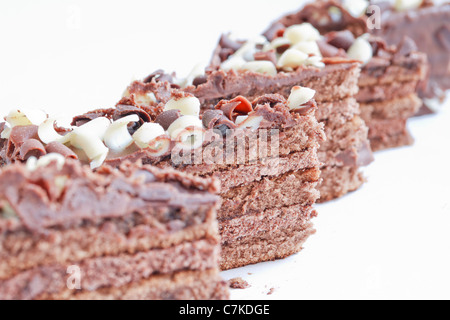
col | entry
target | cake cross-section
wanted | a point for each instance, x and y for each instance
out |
(135, 232)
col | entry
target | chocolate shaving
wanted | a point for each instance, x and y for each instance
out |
(341, 39)
(215, 119)
(18, 136)
(266, 56)
(271, 99)
(227, 43)
(329, 51)
(89, 116)
(31, 148)
(274, 31)
(443, 35)
(233, 108)
(57, 147)
(166, 118)
(125, 110)
(159, 76)
(200, 80)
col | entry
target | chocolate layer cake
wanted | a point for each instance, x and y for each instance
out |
(136, 232)
(390, 76)
(263, 152)
(255, 67)
(422, 21)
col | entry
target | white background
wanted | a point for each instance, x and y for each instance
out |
(389, 240)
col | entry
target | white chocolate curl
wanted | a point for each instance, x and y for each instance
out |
(190, 138)
(292, 59)
(47, 132)
(361, 50)
(301, 32)
(188, 106)
(147, 133)
(233, 63)
(251, 122)
(299, 96)
(182, 123)
(356, 8)
(308, 47)
(117, 137)
(405, 5)
(92, 146)
(33, 163)
(264, 67)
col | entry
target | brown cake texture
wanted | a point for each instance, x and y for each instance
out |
(391, 76)
(136, 232)
(426, 23)
(335, 81)
(264, 153)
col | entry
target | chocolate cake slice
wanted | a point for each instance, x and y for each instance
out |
(423, 21)
(263, 152)
(136, 232)
(256, 67)
(390, 77)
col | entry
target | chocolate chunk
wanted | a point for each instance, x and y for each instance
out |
(31, 148)
(235, 107)
(405, 48)
(443, 35)
(200, 80)
(125, 110)
(271, 99)
(166, 118)
(227, 43)
(89, 116)
(18, 136)
(341, 39)
(266, 56)
(57, 147)
(329, 51)
(274, 31)
(159, 76)
(215, 119)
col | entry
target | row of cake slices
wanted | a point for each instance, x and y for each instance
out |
(248, 121)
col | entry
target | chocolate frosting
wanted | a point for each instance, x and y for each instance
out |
(86, 196)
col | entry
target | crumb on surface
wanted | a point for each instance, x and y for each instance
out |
(238, 283)
(271, 291)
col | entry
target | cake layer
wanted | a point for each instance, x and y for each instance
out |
(338, 181)
(231, 176)
(265, 236)
(389, 133)
(286, 190)
(386, 92)
(185, 285)
(338, 112)
(402, 107)
(392, 141)
(111, 271)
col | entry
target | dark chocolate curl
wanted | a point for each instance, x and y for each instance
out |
(18, 136)
(215, 119)
(329, 51)
(274, 31)
(271, 99)
(266, 56)
(227, 43)
(57, 147)
(31, 148)
(126, 110)
(89, 116)
(236, 107)
(166, 118)
(159, 76)
(341, 39)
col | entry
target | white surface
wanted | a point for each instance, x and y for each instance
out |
(390, 239)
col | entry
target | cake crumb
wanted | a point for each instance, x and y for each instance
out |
(238, 283)
(271, 291)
